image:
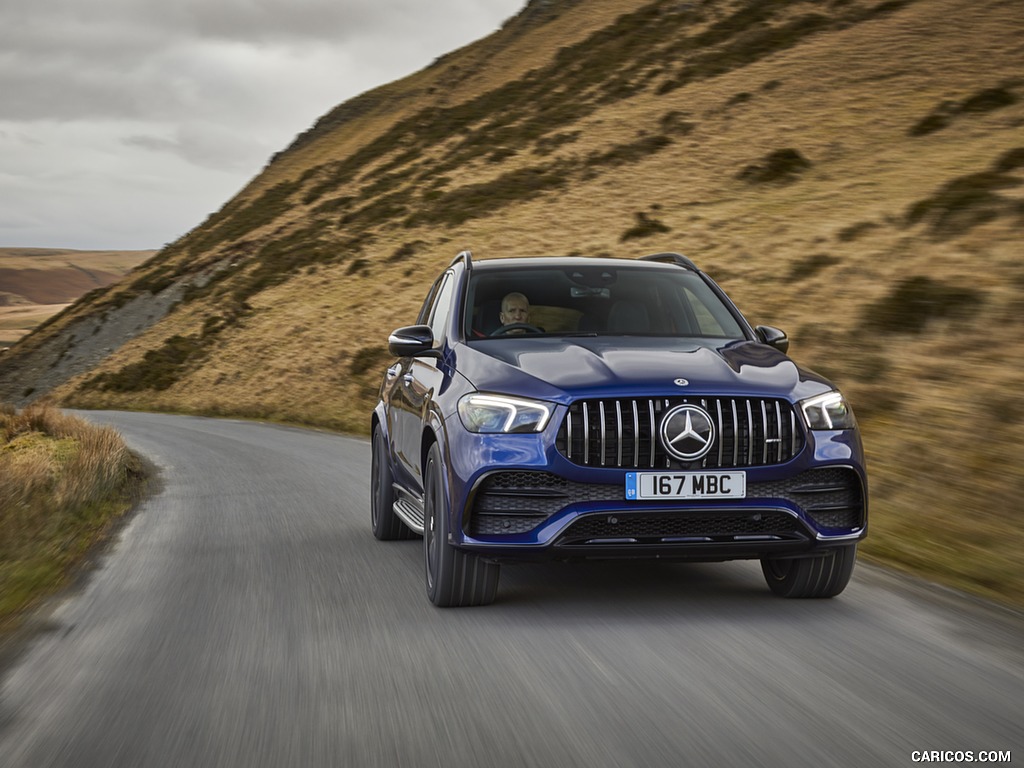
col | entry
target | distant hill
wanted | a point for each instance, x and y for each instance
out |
(851, 171)
(37, 283)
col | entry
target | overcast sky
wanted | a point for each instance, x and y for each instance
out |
(124, 123)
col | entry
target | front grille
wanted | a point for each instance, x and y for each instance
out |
(518, 501)
(704, 527)
(831, 496)
(623, 433)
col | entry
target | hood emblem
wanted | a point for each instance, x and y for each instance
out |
(681, 383)
(687, 432)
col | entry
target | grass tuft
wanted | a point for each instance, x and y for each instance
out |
(63, 482)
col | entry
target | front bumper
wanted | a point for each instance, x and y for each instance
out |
(522, 501)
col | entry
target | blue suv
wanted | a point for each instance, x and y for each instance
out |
(581, 408)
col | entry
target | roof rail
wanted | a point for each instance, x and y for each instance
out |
(674, 258)
(466, 256)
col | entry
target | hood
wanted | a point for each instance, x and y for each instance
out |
(564, 369)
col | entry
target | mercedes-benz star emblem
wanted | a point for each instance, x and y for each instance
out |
(681, 383)
(687, 432)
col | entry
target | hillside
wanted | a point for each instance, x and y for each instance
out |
(38, 283)
(850, 171)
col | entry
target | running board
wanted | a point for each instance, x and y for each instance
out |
(410, 514)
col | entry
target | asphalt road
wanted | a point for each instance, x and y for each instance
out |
(247, 617)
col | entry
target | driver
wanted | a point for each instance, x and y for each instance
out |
(515, 308)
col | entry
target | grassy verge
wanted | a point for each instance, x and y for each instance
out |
(63, 483)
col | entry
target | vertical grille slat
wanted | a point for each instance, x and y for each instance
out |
(721, 431)
(778, 421)
(586, 434)
(616, 433)
(636, 436)
(568, 441)
(792, 431)
(764, 432)
(751, 436)
(654, 431)
(735, 435)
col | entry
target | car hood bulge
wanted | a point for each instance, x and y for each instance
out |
(565, 368)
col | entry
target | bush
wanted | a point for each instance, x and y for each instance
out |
(405, 251)
(811, 266)
(360, 266)
(782, 166)
(1010, 161)
(964, 203)
(158, 370)
(645, 227)
(62, 481)
(912, 304)
(854, 231)
(944, 114)
(474, 200)
(624, 154)
(368, 359)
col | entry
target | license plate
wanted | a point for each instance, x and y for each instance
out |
(653, 486)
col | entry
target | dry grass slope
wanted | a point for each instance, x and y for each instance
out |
(852, 171)
(38, 283)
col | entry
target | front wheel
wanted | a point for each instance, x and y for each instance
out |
(386, 524)
(814, 576)
(454, 578)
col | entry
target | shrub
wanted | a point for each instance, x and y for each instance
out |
(624, 154)
(674, 122)
(983, 101)
(406, 251)
(988, 100)
(782, 166)
(158, 370)
(964, 203)
(368, 359)
(915, 301)
(473, 200)
(854, 231)
(61, 481)
(359, 265)
(1010, 161)
(739, 98)
(811, 266)
(154, 282)
(645, 227)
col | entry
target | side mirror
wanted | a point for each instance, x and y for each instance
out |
(411, 341)
(773, 337)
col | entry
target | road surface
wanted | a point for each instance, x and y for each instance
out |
(246, 616)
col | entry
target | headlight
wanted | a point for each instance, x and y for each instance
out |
(828, 411)
(500, 413)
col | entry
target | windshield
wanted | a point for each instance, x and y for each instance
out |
(595, 301)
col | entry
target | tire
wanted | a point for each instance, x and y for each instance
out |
(454, 578)
(387, 526)
(817, 576)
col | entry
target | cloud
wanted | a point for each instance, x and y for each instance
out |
(206, 145)
(178, 104)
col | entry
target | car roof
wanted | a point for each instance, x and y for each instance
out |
(526, 262)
